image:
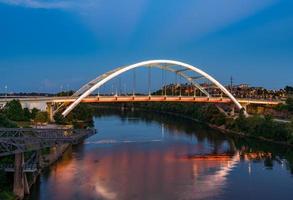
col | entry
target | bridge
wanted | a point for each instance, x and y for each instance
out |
(191, 75)
(20, 140)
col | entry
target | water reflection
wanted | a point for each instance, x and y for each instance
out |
(149, 156)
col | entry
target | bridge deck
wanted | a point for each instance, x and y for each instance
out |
(144, 98)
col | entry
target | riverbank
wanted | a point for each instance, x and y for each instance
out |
(48, 157)
(55, 153)
(216, 120)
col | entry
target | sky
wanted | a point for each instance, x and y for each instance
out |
(46, 45)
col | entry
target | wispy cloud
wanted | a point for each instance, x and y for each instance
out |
(198, 18)
(45, 4)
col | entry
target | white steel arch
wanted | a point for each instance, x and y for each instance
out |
(112, 74)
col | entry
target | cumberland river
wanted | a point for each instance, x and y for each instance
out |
(151, 156)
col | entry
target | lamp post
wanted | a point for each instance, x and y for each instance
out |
(5, 92)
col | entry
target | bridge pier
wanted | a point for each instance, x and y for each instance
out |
(50, 110)
(20, 184)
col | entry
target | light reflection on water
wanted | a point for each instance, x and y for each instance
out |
(162, 158)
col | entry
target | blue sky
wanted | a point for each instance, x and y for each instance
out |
(48, 44)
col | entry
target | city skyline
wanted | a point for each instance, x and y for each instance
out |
(47, 44)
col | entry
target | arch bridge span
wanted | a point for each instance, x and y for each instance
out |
(168, 65)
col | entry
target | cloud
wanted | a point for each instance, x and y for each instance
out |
(198, 18)
(45, 4)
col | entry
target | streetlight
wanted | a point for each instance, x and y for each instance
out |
(5, 92)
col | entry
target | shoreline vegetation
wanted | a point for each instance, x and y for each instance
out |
(14, 116)
(256, 126)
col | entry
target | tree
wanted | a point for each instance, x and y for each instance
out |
(42, 117)
(34, 113)
(289, 103)
(6, 123)
(82, 112)
(289, 89)
(59, 119)
(14, 111)
(65, 93)
(26, 114)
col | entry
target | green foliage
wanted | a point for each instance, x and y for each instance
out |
(26, 114)
(289, 104)
(65, 93)
(59, 119)
(14, 111)
(34, 113)
(256, 125)
(41, 117)
(80, 117)
(4, 189)
(6, 123)
(263, 127)
(7, 195)
(289, 89)
(83, 112)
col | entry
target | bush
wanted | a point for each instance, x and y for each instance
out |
(6, 123)
(59, 119)
(13, 111)
(289, 104)
(26, 114)
(41, 117)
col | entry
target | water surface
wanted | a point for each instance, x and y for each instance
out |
(151, 156)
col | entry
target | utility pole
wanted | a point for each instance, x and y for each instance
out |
(6, 92)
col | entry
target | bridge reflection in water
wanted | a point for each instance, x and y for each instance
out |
(138, 158)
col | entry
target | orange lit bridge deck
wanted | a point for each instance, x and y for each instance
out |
(121, 99)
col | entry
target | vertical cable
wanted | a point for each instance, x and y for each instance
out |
(119, 86)
(134, 82)
(165, 86)
(162, 81)
(180, 92)
(149, 80)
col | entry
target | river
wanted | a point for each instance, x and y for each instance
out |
(138, 155)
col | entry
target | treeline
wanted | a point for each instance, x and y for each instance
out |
(256, 125)
(289, 90)
(12, 113)
(286, 107)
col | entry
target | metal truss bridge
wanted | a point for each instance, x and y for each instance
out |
(19, 140)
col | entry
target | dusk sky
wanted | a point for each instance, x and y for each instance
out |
(48, 43)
